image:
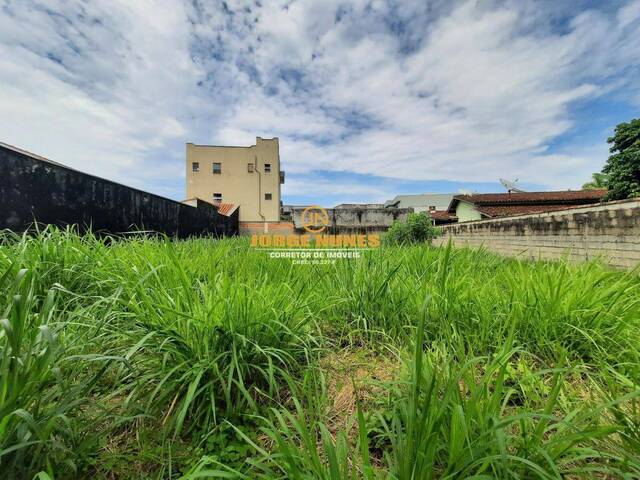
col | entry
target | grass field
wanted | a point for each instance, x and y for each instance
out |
(151, 358)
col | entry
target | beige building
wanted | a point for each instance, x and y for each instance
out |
(246, 176)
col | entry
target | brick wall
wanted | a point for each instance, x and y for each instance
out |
(610, 231)
(259, 228)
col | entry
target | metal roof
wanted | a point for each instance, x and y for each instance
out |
(439, 200)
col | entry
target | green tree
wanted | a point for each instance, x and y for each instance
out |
(417, 229)
(623, 166)
(598, 181)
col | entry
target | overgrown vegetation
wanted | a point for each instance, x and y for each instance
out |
(149, 358)
(418, 228)
(621, 173)
(623, 166)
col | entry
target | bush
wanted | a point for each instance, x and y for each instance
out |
(417, 229)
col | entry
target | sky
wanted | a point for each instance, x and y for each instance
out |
(369, 98)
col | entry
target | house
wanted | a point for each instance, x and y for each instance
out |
(248, 177)
(442, 217)
(424, 202)
(436, 204)
(479, 206)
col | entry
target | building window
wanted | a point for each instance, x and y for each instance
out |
(432, 207)
(217, 198)
(217, 168)
(267, 168)
(267, 196)
(250, 167)
(195, 166)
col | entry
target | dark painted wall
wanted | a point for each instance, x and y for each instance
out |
(35, 190)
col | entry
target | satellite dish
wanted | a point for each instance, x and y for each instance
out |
(511, 186)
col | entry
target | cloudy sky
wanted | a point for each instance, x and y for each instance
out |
(370, 98)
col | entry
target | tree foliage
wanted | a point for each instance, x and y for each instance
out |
(623, 166)
(598, 181)
(417, 229)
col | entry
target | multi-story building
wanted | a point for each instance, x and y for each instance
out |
(246, 176)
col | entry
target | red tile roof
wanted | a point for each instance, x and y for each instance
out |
(442, 215)
(516, 203)
(567, 196)
(508, 210)
(225, 209)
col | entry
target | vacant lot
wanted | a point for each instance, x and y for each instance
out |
(203, 358)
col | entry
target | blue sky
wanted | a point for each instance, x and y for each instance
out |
(370, 98)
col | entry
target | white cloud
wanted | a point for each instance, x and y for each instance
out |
(307, 185)
(482, 96)
(98, 91)
(413, 90)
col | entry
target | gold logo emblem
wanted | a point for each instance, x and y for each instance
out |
(315, 219)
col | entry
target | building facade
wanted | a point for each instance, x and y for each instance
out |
(435, 204)
(249, 177)
(352, 219)
(425, 202)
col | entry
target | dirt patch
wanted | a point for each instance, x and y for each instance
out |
(354, 375)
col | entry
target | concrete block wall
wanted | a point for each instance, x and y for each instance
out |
(34, 189)
(610, 231)
(356, 219)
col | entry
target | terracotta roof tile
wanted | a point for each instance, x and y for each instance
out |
(508, 210)
(567, 196)
(442, 215)
(225, 209)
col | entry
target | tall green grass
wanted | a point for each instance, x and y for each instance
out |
(516, 369)
(451, 418)
(40, 397)
(210, 345)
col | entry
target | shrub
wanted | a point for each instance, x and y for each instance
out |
(417, 229)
